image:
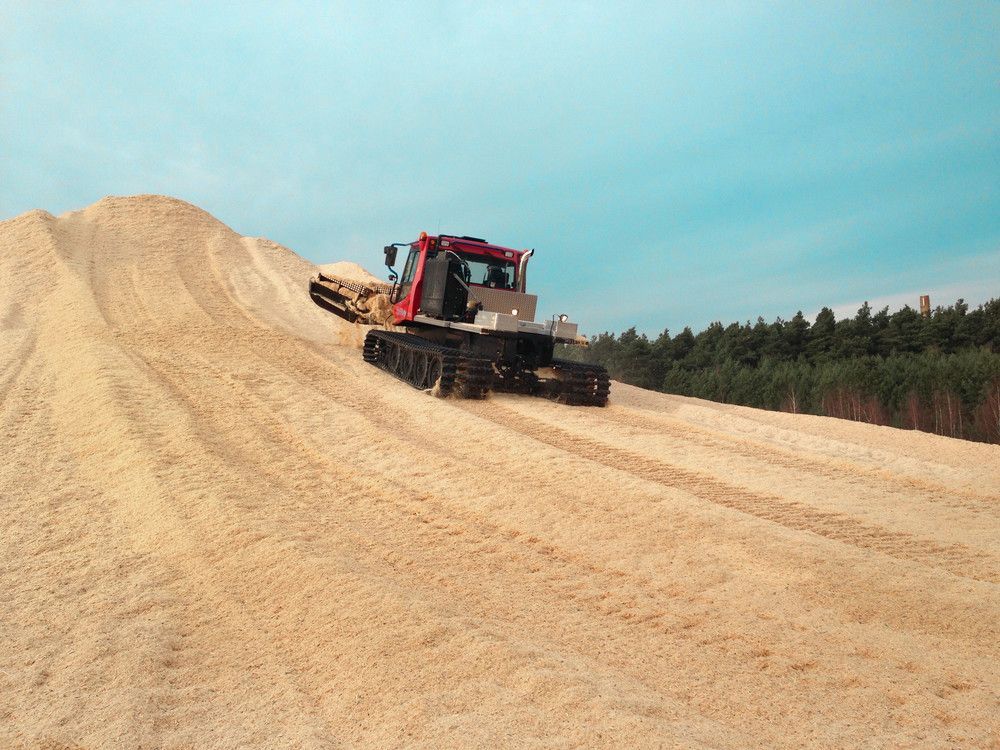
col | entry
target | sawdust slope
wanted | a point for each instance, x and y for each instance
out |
(221, 528)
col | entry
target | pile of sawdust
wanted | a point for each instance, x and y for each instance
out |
(222, 528)
(348, 270)
(379, 309)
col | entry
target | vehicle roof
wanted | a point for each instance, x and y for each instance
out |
(476, 243)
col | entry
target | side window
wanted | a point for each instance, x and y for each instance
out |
(408, 272)
(411, 266)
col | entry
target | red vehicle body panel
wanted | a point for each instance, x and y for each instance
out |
(405, 309)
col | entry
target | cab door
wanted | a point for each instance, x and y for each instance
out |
(409, 271)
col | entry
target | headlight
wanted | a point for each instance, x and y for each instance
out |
(514, 311)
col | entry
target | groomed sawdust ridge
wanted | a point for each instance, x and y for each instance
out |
(33, 216)
(220, 528)
(172, 210)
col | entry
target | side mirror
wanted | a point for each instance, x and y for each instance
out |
(390, 255)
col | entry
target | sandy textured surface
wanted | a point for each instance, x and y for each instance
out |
(220, 528)
(348, 270)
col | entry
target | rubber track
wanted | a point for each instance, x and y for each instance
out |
(461, 374)
(468, 376)
(582, 384)
(957, 559)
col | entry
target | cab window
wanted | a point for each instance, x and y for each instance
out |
(406, 280)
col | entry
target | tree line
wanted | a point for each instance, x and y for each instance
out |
(939, 374)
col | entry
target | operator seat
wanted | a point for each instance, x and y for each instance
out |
(496, 277)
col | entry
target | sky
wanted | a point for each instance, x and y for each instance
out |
(671, 163)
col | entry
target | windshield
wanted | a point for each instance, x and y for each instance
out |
(492, 272)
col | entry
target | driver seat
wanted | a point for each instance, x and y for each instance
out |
(496, 277)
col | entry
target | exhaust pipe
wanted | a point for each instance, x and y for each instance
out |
(522, 268)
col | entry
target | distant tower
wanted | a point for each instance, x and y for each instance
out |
(925, 305)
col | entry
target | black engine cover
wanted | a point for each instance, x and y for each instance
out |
(443, 296)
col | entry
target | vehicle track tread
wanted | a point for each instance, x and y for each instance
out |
(453, 371)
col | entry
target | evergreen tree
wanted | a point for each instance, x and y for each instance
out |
(904, 332)
(683, 344)
(796, 335)
(821, 336)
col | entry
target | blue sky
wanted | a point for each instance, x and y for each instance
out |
(672, 164)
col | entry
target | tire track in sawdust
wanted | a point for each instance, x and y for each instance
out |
(828, 468)
(450, 518)
(956, 559)
(418, 539)
(438, 525)
(426, 447)
(448, 523)
(430, 544)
